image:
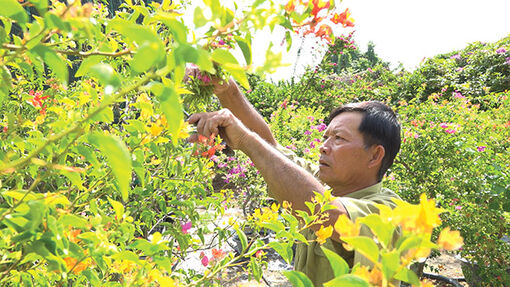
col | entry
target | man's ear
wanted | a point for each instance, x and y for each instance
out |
(377, 155)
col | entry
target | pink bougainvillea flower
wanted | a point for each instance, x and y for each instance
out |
(481, 148)
(450, 131)
(186, 226)
(458, 95)
(205, 261)
(501, 51)
(443, 125)
(456, 57)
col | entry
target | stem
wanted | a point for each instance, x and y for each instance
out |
(29, 190)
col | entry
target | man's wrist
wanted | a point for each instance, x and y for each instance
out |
(225, 88)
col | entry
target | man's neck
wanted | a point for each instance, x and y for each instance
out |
(344, 190)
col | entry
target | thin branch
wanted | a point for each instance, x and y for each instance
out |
(82, 54)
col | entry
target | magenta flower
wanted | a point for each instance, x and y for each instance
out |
(312, 145)
(306, 150)
(443, 125)
(308, 132)
(458, 207)
(186, 226)
(204, 259)
(321, 127)
(458, 95)
(455, 57)
(450, 131)
(507, 60)
(501, 51)
(481, 148)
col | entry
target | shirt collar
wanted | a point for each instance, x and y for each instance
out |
(365, 191)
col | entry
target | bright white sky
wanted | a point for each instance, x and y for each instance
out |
(406, 31)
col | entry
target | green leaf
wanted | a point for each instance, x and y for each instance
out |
(204, 61)
(198, 18)
(242, 238)
(185, 53)
(338, 264)
(409, 243)
(176, 28)
(408, 276)
(118, 158)
(364, 245)
(245, 46)
(284, 249)
(133, 32)
(6, 82)
(12, 9)
(256, 269)
(3, 35)
(147, 56)
(41, 5)
(347, 280)
(118, 208)
(222, 56)
(87, 63)
(106, 75)
(56, 64)
(126, 255)
(383, 230)
(53, 21)
(105, 115)
(390, 263)
(298, 279)
(172, 108)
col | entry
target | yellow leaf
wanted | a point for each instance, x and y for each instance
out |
(345, 227)
(324, 233)
(450, 240)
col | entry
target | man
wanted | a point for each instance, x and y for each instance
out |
(359, 145)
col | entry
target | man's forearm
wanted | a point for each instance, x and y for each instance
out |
(285, 179)
(231, 98)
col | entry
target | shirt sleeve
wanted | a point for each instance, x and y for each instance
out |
(309, 166)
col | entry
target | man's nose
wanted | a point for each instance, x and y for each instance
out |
(324, 148)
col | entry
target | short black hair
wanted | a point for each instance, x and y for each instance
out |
(379, 126)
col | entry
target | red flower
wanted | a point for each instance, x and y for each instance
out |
(324, 32)
(290, 7)
(37, 100)
(217, 253)
(319, 5)
(344, 19)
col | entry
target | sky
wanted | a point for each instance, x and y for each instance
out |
(403, 31)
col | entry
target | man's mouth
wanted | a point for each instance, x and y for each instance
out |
(323, 163)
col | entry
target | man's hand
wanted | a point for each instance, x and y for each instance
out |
(220, 87)
(222, 123)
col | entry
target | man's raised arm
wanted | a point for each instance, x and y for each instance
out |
(230, 97)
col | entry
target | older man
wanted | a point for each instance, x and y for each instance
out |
(359, 145)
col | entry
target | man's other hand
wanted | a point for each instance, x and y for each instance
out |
(221, 87)
(222, 123)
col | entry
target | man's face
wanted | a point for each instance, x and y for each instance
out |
(344, 159)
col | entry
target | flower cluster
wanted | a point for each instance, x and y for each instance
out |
(321, 18)
(207, 147)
